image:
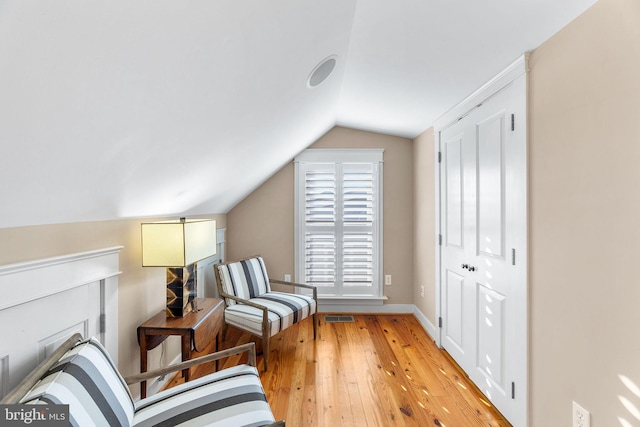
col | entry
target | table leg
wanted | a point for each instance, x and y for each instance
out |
(186, 355)
(142, 338)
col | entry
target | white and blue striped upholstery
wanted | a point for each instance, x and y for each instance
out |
(253, 307)
(86, 379)
(248, 280)
(231, 397)
(245, 279)
(284, 310)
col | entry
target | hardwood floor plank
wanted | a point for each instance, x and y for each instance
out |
(393, 367)
(380, 370)
(361, 354)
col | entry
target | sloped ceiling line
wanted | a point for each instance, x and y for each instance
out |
(125, 109)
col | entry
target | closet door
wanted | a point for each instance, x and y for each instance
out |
(483, 286)
(458, 301)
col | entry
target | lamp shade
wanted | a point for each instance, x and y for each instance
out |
(177, 243)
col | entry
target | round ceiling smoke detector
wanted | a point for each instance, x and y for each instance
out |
(322, 71)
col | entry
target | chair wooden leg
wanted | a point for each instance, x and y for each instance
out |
(265, 351)
(265, 337)
(315, 323)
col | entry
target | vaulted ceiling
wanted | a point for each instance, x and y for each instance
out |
(120, 108)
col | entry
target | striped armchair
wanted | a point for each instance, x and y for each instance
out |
(253, 307)
(81, 374)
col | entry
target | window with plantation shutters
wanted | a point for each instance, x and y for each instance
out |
(338, 221)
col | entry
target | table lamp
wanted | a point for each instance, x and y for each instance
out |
(178, 245)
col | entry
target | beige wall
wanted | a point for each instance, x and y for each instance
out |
(584, 212)
(424, 250)
(141, 290)
(263, 222)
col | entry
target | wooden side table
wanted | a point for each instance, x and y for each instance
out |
(196, 330)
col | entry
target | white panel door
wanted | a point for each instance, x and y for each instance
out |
(483, 289)
(457, 299)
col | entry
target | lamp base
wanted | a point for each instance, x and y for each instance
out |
(181, 290)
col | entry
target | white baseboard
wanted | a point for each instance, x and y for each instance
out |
(426, 324)
(383, 309)
(369, 309)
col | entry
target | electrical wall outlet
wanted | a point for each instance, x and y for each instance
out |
(581, 417)
(422, 291)
(287, 277)
(387, 280)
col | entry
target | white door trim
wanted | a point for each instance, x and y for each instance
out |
(491, 88)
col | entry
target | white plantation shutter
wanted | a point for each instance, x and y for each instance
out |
(357, 218)
(320, 251)
(338, 224)
(320, 195)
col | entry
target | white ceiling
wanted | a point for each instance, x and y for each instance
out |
(120, 108)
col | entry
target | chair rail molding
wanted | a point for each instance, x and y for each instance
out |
(43, 277)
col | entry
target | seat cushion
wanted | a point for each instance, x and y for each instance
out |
(87, 380)
(231, 397)
(284, 310)
(245, 279)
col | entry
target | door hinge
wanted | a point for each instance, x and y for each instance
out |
(513, 257)
(103, 323)
(440, 239)
(440, 322)
(513, 122)
(513, 390)
(439, 156)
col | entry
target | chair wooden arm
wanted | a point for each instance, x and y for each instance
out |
(30, 380)
(242, 300)
(249, 347)
(301, 285)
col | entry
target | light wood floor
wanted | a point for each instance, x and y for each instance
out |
(381, 370)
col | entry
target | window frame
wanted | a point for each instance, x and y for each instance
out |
(373, 157)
